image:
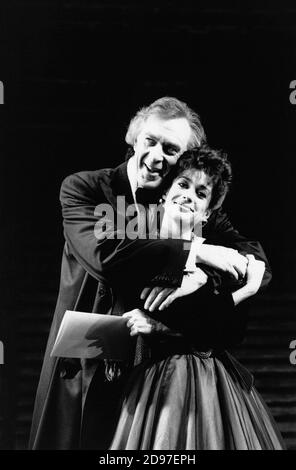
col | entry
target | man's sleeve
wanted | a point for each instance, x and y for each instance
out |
(114, 255)
(221, 232)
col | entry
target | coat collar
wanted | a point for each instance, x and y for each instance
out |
(120, 183)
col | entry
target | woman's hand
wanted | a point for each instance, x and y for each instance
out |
(162, 297)
(138, 322)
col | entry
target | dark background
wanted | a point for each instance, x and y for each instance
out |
(74, 73)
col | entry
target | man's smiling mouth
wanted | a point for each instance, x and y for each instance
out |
(154, 171)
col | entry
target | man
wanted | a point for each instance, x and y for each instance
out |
(72, 410)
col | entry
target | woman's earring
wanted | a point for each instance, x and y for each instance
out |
(204, 221)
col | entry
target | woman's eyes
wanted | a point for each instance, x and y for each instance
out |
(185, 185)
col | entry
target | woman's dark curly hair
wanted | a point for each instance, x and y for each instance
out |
(213, 163)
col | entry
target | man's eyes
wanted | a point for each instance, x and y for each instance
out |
(170, 150)
(151, 141)
(167, 149)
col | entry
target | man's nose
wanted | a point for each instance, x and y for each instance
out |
(156, 152)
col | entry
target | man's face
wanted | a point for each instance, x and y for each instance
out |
(157, 148)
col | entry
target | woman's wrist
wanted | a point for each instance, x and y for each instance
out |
(251, 288)
(243, 293)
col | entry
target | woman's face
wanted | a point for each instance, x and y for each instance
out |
(188, 198)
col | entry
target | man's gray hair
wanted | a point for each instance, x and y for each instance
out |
(167, 108)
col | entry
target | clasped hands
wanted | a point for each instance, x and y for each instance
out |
(161, 297)
(226, 260)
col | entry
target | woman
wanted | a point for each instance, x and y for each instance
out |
(190, 393)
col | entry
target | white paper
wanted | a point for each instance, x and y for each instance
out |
(89, 335)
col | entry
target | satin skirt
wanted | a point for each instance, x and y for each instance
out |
(187, 402)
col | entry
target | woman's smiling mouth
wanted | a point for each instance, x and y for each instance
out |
(184, 207)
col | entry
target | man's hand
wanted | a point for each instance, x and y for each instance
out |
(255, 272)
(162, 297)
(138, 322)
(226, 259)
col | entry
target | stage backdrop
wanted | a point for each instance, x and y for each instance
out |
(73, 74)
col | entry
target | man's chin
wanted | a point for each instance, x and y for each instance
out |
(151, 183)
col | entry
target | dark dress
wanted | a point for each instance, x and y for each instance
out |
(192, 402)
(186, 397)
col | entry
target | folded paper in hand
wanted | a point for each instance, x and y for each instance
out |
(88, 335)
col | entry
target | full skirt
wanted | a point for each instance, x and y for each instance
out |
(188, 402)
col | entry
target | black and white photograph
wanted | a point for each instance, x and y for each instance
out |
(148, 259)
